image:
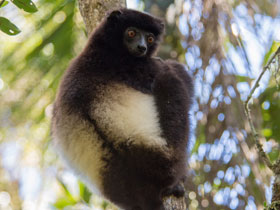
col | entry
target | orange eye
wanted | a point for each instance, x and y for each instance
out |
(131, 33)
(151, 39)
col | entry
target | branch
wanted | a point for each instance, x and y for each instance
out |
(257, 83)
(275, 202)
(173, 203)
(248, 114)
(93, 12)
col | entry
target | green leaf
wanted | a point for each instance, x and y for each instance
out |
(104, 205)
(26, 5)
(67, 199)
(67, 192)
(267, 132)
(275, 45)
(274, 155)
(84, 192)
(4, 4)
(8, 27)
(63, 202)
(242, 78)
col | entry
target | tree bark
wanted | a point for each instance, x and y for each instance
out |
(93, 11)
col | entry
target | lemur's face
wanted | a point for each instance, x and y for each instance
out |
(138, 41)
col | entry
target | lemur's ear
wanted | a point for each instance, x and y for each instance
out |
(162, 25)
(114, 15)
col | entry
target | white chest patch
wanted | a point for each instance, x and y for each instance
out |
(127, 115)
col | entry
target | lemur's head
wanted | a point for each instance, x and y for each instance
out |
(136, 33)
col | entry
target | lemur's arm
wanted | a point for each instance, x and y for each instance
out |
(182, 73)
(173, 90)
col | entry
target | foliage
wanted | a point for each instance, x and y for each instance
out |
(7, 26)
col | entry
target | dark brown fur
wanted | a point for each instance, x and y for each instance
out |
(135, 177)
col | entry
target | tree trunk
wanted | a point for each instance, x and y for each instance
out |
(92, 12)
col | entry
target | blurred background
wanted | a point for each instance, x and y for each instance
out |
(224, 44)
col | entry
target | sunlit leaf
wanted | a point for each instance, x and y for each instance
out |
(67, 192)
(267, 132)
(275, 45)
(26, 5)
(63, 202)
(67, 200)
(8, 27)
(4, 4)
(242, 78)
(84, 192)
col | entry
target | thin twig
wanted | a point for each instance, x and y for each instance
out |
(248, 114)
(261, 75)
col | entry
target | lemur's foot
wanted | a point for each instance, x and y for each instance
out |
(178, 191)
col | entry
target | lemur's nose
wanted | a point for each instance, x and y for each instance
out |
(142, 48)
